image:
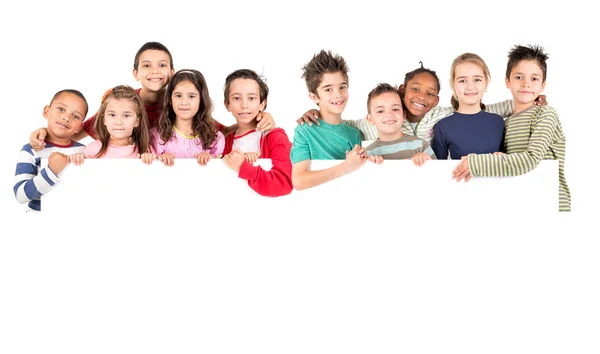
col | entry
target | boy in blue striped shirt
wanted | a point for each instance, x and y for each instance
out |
(65, 115)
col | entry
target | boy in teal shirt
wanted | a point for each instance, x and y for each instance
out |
(326, 78)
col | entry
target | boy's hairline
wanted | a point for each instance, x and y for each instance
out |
(330, 72)
(63, 92)
(381, 93)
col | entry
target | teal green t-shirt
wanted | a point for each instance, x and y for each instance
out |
(323, 142)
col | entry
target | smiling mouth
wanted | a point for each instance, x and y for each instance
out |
(338, 103)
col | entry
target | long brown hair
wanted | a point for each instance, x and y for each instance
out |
(140, 136)
(202, 125)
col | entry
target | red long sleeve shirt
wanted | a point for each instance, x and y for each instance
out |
(278, 181)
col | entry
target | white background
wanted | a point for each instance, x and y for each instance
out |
(436, 280)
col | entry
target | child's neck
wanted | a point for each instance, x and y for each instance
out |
(391, 136)
(184, 126)
(413, 118)
(120, 142)
(244, 128)
(520, 107)
(51, 138)
(331, 118)
(150, 98)
(469, 109)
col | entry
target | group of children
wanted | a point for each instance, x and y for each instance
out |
(170, 117)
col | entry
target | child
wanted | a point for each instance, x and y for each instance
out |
(469, 129)
(533, 133)
(420, 98)
(185, 127)
(385, 113)
(326, 78)
(65, 116)
(122, 128)
(153, 68)
(245, 97)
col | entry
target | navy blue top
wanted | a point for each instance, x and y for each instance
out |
(462, 134)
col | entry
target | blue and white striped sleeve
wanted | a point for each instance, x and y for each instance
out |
(31, 182)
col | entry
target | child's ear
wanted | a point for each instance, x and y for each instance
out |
(135, 75)
(227, 106)
(314, 97)
(137, 122)
(437, 100)
(370, 119)
(45, 112)
(507, 82)
(543, 86)
(262, 105)
(402, 90)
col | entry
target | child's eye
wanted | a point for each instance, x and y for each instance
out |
(344, 87)
(396, 109)
(76, 117)
(518, 77)
(327, 90)
(236, 98)
(163, 65)
(431, 95)
(536, 79)
(415, 89)
(60, 109)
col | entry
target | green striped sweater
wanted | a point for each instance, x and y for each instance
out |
(424, 128)
(531, 136)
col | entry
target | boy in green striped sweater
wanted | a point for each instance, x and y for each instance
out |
(532, 133)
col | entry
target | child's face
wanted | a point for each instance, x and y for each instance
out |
(65, 115)
(386, 113)
(154, 70)
(469, 83)
(526, 82)
(120, 118)
(185, 100)
(332, 93)
(244, 100)
(421, 94)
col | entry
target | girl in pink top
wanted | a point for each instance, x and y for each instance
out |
(185, 128)
(122, 128)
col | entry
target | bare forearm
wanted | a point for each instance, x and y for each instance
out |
(309, 179)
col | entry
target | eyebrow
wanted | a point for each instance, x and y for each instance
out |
(465, 76)
(240, 94)
(341, 83)
(160, 61)
(113, 111)
(534, 74)
(382, 106)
